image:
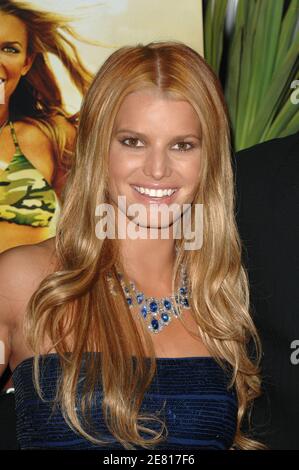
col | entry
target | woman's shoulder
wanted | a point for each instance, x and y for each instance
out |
(22, 268)
(29, 131)
(32, 135)
(26, 131)
(68, 127)
(32, 125)
(22, 255)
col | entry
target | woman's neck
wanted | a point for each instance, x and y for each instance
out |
(149, 263)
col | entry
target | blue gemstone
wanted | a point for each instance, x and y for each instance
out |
(165, 317)
(153, 306)
(140, 298)
(143, 311)
(155, 324)
(167, 304)
(185, 302)
(129, 300)
(183, 290)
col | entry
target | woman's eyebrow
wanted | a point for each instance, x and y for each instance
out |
(10, 43)
(140, 134)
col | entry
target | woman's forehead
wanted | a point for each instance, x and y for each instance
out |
(144, 108)
(12, 29)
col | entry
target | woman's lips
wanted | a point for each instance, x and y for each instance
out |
(155, 200)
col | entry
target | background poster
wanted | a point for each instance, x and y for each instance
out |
(116, 23)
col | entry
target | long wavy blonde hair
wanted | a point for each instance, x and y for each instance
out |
(73, 307)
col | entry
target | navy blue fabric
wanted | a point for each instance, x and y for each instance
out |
(190, 392)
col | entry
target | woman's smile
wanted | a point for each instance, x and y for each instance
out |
(155, 195)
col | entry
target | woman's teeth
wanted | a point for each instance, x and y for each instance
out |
(155, 192)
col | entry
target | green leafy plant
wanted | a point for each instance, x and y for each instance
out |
(261, 66)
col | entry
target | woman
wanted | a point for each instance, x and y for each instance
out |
(153, 128)
(36, 132)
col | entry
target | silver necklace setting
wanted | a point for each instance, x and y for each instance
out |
(156, 312)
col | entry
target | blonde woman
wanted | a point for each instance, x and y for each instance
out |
(36, 132)
(141, 342)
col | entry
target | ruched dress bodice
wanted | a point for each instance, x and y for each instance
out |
(190, 394)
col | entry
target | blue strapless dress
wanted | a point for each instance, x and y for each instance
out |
(199, 411)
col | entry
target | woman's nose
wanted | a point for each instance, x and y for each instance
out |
(157, 164)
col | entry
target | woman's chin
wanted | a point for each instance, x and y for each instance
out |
(143, 226)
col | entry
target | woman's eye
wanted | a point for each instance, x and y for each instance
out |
(132, 142)
(9, 48)
(183, 146)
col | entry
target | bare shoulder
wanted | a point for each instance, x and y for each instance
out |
(27, 131)
(68, 127)
(22, 269)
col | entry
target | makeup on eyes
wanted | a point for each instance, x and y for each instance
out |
(13, 48)
(16, 45)
(192, 145)
(177, 140)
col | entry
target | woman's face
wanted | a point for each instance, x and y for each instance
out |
(14, 61)
(156, 145)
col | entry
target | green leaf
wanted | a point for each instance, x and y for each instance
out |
(272, 100)
(213, 32)
(218, 28)
(262, 62)
(247, 70)
(292, 127)
(287, 32)
(208, 33)
(232, 88)
(271, 33)
(282, 120)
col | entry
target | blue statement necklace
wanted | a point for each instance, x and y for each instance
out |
(156, 312)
